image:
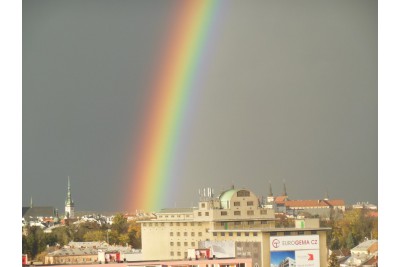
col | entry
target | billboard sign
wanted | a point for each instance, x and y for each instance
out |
(295, 251)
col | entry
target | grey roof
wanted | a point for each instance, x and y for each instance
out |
(74, 252)
(364, 245)
(37, 212)
(177, 210)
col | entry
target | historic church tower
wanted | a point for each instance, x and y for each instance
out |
(69, 204)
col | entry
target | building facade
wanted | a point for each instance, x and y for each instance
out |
(235, 216)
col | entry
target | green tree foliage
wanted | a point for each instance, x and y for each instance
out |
(355, 223)
(350, 241)
(35, 242)
(95, 235)
(333, 261)
(119, 224)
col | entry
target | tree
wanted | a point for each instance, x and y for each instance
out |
(350, 242)
(119, 224)
(333, 261)
(96, 235)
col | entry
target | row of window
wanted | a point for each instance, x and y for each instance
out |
(171, 224)
(313, 232)
(185, 234)
(237, 234)
(193, 244)
(236, 212)
(177, 216)
(245, 222)
(237, 203)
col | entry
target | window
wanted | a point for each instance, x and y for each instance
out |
(171, 224)
(162, 224)
(222, 223)
(222, 234)
(203, 205)
(192, 223)
(236, 223)
(179, 253)
(185, 233)
(193, 244)
(286, 233)
(236, 212)
(313, 232)
(192, 233)
(155, 224)
(171, 244)
(230, 234)
(250, 203)
(185, 244)
(254, 234)
(199, 213)
(207, 213)
(171, 253)
(224, 213)
(238, 234)
(273, 234)
(264, 222)
(300, 232)
(243, 193)
(171, 233)
(150, 224)
(144, 224)
(250, 222)
(247, 234)
(236, 203)
(199, 233)
(199, 224)
(263, 212)
(178, 244)
(250, 212)
(184, 224)
(214, 234)
(178, 224)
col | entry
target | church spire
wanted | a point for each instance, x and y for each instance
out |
(326, 195)
(284, 189)
(69, 203)
(270, 190)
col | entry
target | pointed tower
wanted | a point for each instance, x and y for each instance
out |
(270, 197)
(326, 195)
(284, 189)
(69, 204)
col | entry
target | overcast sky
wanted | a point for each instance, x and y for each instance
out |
(290, 93)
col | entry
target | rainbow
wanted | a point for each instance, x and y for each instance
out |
(184, 55)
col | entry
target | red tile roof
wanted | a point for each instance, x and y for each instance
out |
(315, 203)
(280, 199)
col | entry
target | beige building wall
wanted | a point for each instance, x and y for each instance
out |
(174, 231)
(235, 215)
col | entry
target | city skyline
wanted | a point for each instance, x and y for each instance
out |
(288, 93)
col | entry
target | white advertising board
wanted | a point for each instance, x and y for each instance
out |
(307, 258)
(298, 242)
(298, 251)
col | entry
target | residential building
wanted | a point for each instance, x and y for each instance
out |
(364, 254)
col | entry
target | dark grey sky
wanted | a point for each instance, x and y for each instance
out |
(289, 94)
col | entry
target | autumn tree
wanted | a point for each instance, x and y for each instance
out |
(95, 235)
(333, 261)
